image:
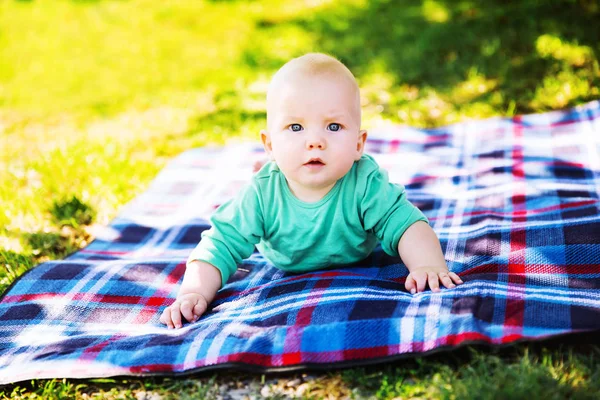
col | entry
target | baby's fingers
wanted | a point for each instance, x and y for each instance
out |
(165, 318)
(433, 280)
(410, 284)
(455, 278)
(200, 308)
(162, 319)
(446, 281)
(192, 311)
(175, 315)
(421, 279)
(187, 309)
(417, 281)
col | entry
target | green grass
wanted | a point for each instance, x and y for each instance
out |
(96, 96)
(516, 372)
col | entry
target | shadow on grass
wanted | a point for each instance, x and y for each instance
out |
(44, 246)
(13, 265)
(50, 244)
(72, 212)
(539, 55)
(560, 367)
(70, 215)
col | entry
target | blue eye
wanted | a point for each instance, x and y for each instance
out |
(334, 127)
(296, 127)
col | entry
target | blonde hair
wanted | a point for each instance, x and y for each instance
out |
(312, 65)
(316, 64)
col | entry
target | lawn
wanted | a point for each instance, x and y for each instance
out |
(97, 95)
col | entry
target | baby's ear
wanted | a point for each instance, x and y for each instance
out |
(266, 141)
(360, 145)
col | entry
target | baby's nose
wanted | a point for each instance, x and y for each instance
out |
(315, 143)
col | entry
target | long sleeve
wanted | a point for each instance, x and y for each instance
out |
(236, 227)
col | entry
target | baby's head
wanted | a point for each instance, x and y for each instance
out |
(310, 68)
(313, 122)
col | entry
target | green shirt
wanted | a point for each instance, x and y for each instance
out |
(343, 227)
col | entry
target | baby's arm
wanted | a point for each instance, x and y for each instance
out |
(421, 252)
(199, 287)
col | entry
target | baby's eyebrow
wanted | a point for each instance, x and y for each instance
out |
(288, 117)
(328, 117)
(336, 116)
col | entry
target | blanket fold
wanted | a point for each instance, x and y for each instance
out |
(515, 203)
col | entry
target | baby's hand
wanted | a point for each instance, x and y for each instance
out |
(418, 279)
(190, 305)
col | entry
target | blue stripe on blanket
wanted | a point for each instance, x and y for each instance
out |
(515, 203)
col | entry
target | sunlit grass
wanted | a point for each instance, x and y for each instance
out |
(573, 54)
(435, 11)
(100, 57)
(561, 89)
(528, 371)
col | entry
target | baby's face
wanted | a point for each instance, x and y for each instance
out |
(314, 133)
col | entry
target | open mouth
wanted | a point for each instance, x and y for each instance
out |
(315, 162)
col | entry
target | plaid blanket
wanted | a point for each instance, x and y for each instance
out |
(514, 202)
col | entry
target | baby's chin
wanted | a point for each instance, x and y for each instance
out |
(318, 183)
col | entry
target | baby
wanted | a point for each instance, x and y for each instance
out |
(319, 202)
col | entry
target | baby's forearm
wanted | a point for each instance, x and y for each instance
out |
(202, 278)
(420, 247)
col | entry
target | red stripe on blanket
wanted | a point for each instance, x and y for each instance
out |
(176, 274)
(144, 316)
(465, 336)
(291, 358)
(511, 338)
(31, 297)
(305, 314)
(532, 268)
(154, 368)
(92, 352)
(91, 298)
(368, 352)
(246, 358)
